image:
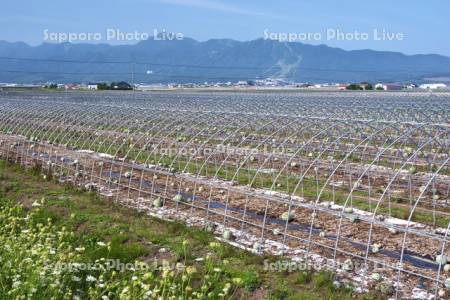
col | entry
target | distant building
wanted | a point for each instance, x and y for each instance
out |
(365, 86)
(73, 86)
(242, 83)
(121, 86)
(13, 86)
(432, 86)
(343, 86)
(149, 87)
(389, 87)
(380, 86)
(92, 86)
(411, 86)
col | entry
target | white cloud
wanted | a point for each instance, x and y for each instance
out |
(214, 5)
(11, 19)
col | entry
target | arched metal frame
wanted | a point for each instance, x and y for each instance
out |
(358, 167)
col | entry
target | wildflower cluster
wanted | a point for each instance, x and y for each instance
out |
(32, 251)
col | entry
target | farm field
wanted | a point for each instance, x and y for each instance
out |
(354, 182)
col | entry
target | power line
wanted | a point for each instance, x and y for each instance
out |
(128, 62)
(122, 73)
(62, 73)
(300, 68)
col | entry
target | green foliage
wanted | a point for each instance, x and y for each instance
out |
(323, 279)
(46, 261)
(367, 86)
(354, 87)
(280, 291)
(251, 280)
(103, 86)
(114, 86)
(360, 86)
(304, 277)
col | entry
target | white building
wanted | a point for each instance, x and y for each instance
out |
(380, 86)
(411, 86)
(150, 87)
(389, 87)
(432, 86)
(242, 83)
(92, 86)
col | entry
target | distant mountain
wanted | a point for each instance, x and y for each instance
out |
(188, 60)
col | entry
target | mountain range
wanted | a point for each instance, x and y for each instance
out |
(188, 60)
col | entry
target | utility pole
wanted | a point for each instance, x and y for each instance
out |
(132, 76)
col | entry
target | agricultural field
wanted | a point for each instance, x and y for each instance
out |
(356, 183)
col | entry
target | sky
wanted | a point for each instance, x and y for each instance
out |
(411, 27)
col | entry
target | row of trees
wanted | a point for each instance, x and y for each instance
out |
(363, 86)
(114, 86)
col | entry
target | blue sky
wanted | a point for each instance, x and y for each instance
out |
(424, 24)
